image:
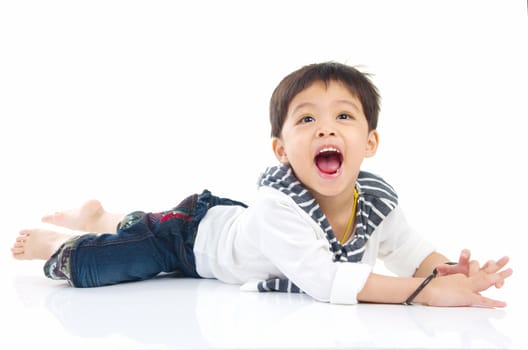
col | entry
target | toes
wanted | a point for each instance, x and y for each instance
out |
(50, 218)
(25, 233)
(17, 250)
(22, 237)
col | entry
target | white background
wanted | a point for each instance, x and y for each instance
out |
(139, 103)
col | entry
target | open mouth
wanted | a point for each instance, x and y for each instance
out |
(329, 160)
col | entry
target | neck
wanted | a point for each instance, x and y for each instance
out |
(336, 204)
(338, 211)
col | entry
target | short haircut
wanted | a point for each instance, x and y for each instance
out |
(358, 83)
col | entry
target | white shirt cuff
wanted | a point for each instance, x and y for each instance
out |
(348, 282)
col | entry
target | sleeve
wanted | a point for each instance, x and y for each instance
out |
(401, 248)
(296, 245)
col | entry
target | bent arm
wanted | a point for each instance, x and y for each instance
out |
(295, 244)
(389, 289)
(450, 290)
(429, 264)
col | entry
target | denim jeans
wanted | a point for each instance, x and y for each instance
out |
(145, 245)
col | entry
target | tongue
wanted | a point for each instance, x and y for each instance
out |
(328, 164)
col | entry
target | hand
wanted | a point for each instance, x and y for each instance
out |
(472, 267)
(460, 290)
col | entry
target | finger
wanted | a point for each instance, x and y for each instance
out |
(506, 273)
(463, 260)
(445, 269)
(482, 301)
(474, 267)
(485, 281)
(490, 266)
(465, 255)
(494, 266)
(448, 269)
(502, 262)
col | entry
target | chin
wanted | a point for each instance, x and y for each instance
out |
(324, 190)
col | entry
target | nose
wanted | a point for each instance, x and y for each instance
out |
(326, 127)
(325, 131)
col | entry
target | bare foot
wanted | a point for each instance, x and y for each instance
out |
(37, 244)
(90, 217)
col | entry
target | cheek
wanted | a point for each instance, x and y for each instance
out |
(357, 150)
(296, 156)
(359, 143)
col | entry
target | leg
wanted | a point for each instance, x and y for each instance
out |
(141, 248)
(97, 259)
(91, 260)
(145, 245)
(90, 217)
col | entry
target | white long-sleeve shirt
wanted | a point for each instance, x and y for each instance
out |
(274, 237)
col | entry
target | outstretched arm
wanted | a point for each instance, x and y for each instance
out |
(449, 290)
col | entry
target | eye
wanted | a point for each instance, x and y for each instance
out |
(344, 116)
(306, 119)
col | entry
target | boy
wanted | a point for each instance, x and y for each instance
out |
(318, 223)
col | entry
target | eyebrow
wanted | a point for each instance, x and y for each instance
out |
(347, 102)
(351, 104)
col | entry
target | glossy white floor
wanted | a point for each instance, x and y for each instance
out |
(91, 92)
(170, 313)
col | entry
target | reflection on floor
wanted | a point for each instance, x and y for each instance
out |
(189, 313)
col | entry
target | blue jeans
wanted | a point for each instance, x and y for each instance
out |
(145, 245)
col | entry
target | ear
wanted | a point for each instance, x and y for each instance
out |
(372, 143)
(279, 150)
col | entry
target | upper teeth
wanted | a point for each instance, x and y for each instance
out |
(329, 149)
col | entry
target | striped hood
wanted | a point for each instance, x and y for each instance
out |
(376, 200)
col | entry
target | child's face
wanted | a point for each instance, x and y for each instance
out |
(325, 138)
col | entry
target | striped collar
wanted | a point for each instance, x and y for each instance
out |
(376, 200)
